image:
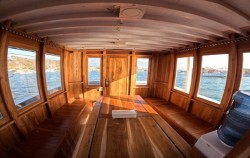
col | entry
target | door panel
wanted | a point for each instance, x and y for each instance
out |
(117, 75)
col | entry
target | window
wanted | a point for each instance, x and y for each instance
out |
(1, 116)
(213, 77)
(142, 71)
(22, 76)
(53, 73)
(184, 70)
(245, 81)
(94, 71)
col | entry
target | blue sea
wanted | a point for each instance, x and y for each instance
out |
(24, 85)
(210, 86)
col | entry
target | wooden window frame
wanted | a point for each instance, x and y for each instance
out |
(50, 51)
(87, 70)
(30, 46)
(211, 51)
(243, 47)
(175, 73)
(149, 57)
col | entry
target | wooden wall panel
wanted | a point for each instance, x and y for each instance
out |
(179, 100)
(91, 93)
(159, 75)
(143, 92)
(74, 79)
(159, 90)
(75, 67)
(33, 118)
(9, 137)
(206, 112)
(162, 69)
(57, 102)
(75, 91)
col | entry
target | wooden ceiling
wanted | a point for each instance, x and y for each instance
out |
(93, 24)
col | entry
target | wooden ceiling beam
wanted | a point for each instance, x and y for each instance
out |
(174, 7)
(62, 41)
(90, 27)
(122, 45)
(119, 34)
(129, 41)
(148, 20)
(230, 8)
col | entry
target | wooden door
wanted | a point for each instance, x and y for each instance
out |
(117, 78)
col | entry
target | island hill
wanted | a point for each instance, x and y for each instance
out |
(209, 70)
(27, 65)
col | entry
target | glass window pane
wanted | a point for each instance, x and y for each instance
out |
(142, 71)
(245, 81)
(53, 73)
(94, 71)
(184, 70)
(213, 77)
(1, 116)
(22, 76)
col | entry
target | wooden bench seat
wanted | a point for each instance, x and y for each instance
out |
(187, 125)
(56, 136)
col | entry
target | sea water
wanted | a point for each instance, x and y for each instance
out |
(211, 86)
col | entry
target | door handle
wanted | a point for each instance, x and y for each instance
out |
(106, 82)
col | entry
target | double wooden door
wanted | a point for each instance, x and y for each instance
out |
(117, 75)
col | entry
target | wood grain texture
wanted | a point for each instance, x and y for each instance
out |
(159, 79)
(57, 102)
(118, 75)
(205, 112)
(140, 137)
(179, 100)
(189, 126)
(9, 137)
(143, 136)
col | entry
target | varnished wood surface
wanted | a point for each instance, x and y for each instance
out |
(56, 136)
(148, 135)
(189, 126)
(118, 75)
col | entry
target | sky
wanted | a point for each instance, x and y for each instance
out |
(215, 61)
(21, 53)
(94, 61)
(246, 60)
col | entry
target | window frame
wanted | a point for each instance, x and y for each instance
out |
(243, 47)
(3, 110)
(87, 70)
(50, 51)
(212, 51)
(32, 46)
(175, 73)
(149, 69)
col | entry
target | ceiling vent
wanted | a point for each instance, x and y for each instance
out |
(131, 12)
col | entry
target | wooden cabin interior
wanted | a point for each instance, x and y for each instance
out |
(66, 65)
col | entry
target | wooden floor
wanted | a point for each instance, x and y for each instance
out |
(148, 135)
